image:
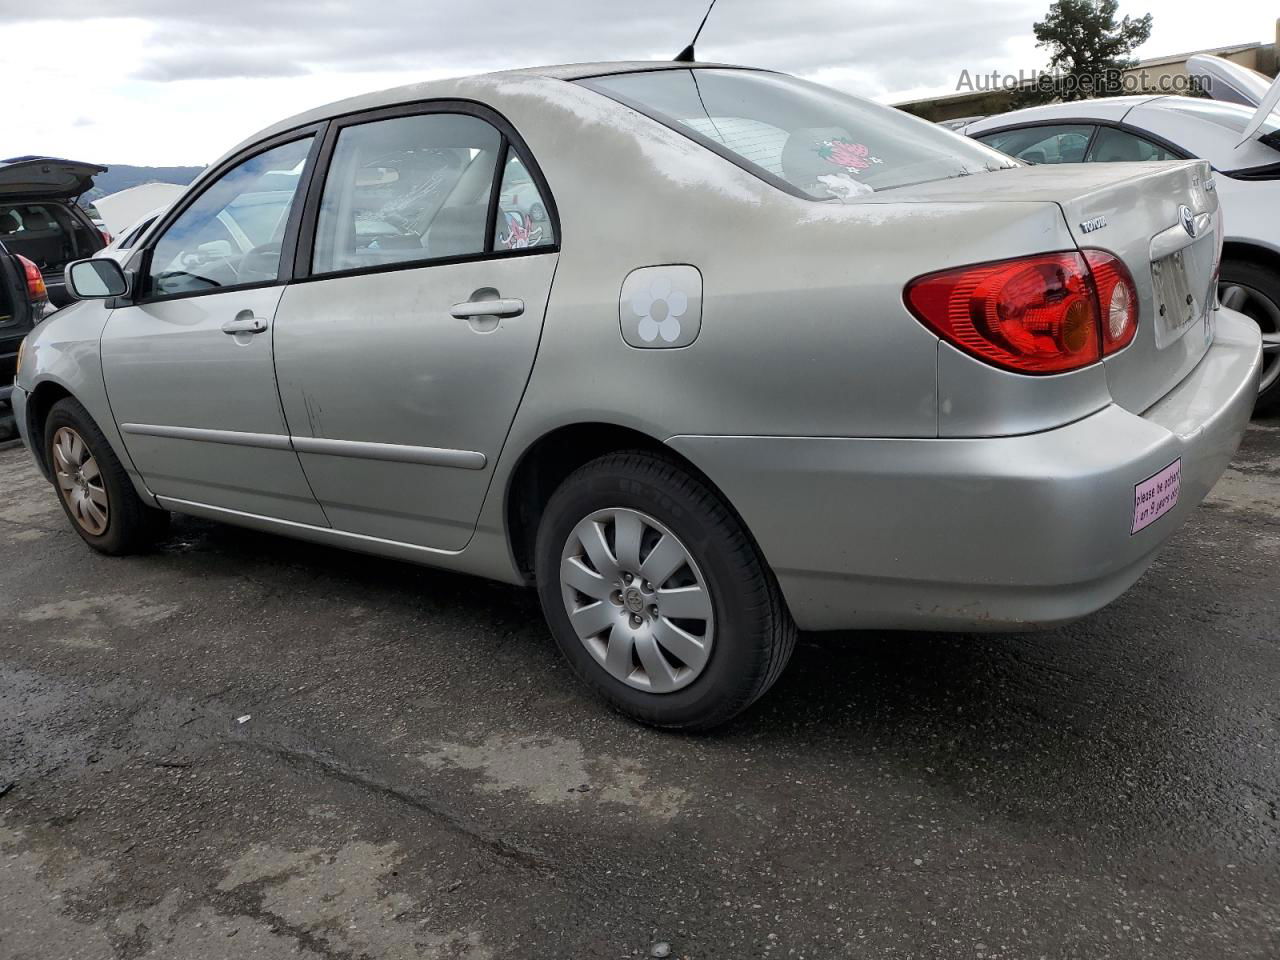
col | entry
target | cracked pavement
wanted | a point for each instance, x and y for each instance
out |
(245, 747)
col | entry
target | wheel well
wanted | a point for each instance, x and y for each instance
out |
(547, 463)
(1238, 250)
(43, 397)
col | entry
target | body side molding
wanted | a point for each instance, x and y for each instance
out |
(360, 449)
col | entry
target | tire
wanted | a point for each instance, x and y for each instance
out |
(96, 494)
(1254, 290)
(728, 599)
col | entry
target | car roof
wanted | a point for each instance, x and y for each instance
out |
(1101, 108)
(462, 88)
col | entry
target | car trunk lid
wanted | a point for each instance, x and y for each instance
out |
(1134, 211)
(46, 178)
(1161, 220)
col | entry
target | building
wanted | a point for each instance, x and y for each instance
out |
(1158, 75)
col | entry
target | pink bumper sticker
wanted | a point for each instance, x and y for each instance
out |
(1156, 496)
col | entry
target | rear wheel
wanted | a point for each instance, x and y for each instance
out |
(657, 596)
(1253, 290)
(93, 487)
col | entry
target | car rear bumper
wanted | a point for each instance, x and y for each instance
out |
(987, 533)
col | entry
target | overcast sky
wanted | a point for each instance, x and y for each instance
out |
(179, 82)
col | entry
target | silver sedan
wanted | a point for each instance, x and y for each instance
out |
(704, 354)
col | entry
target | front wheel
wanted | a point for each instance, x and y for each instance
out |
(96, 493)
(1253, 290)
(657, 596)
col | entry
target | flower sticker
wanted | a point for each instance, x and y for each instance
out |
(659, 307)
(521, 232)
(852, 156)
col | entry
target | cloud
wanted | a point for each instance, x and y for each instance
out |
(244, 38)
(178, 81)
(212, 64)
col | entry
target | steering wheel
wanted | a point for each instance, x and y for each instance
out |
(263, 259)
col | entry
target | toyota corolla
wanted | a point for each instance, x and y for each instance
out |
(705, 354)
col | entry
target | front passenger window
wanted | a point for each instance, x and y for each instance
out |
(231, 235)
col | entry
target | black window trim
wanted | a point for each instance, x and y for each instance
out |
(1153, 139)
(138, 295)
(510, 139)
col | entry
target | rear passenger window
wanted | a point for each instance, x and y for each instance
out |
(1117, 146)
(523, 220)
(407, 189)
(1062, 143)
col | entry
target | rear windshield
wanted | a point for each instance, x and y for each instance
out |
(804, 138)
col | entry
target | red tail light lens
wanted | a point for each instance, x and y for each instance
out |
(36, 289)
(1037, 314)
(106, 235)
(1117, 298)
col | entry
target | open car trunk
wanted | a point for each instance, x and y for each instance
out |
(45, 178)
(1136, 212)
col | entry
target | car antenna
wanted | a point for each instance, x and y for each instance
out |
(686, 55)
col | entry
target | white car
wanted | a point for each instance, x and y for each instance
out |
(1241, 142)
(118, 249)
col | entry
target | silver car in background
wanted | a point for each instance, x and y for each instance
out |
(706, 354)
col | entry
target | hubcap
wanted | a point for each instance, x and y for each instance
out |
(80, 481)
(637, 600)
(1263, 311)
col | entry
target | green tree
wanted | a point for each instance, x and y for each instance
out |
(1089, 49)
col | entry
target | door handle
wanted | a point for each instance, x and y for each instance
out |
(470, 309)
(245, 322)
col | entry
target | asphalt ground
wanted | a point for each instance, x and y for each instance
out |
(246, 747)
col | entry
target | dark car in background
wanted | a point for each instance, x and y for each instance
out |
(21, 305)
(40, 219)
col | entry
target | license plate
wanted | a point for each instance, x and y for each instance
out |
(1175, 301)
(1156, 496)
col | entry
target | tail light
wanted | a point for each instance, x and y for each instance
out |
(36, 289)
(1041, 314)
(1117, 298)
(106, 235)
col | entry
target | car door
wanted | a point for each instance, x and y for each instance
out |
(188, 364)
(405, 346)
(16, 318)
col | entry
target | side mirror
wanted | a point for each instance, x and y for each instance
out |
(98, 279)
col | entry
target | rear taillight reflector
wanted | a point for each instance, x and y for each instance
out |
(1041, 314)
(1117, 298)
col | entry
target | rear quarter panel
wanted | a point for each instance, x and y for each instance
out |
(804, 330)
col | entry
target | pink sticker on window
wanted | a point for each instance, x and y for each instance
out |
(1156, 496)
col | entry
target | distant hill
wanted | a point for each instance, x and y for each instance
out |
(121, 176)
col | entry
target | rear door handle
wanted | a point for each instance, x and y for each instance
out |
(245, 322)
(469, 309)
